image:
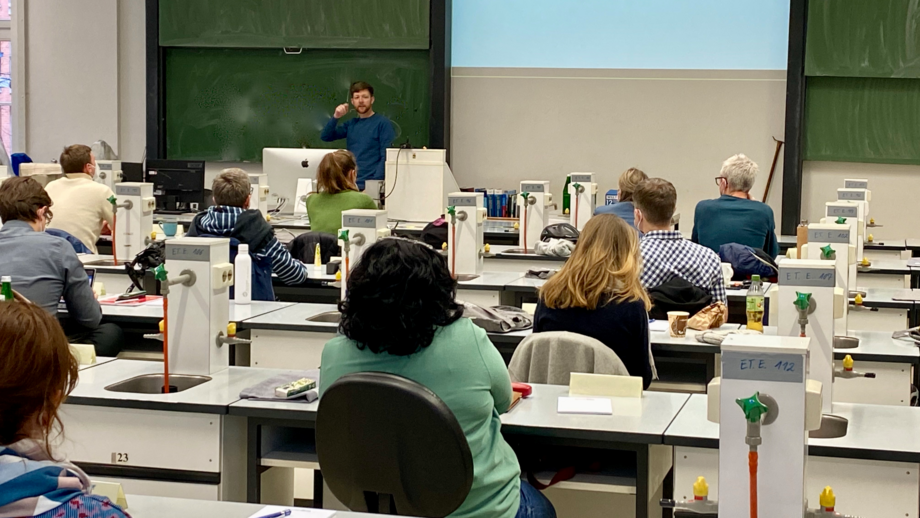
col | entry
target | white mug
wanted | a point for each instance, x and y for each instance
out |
(727, 273)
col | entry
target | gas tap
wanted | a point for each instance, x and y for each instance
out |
(847, 371)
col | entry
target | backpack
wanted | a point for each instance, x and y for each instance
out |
(747, 261)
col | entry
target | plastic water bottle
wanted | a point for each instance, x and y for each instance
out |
(754, 303)
(242, 269)
(566, 197)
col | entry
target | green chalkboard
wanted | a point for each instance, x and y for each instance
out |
(863, 38)
(356, 24)
(862, 120)
(228, 104)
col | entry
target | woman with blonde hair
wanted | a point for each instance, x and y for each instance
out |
(337, 190)
(627, 186)
(597, 293)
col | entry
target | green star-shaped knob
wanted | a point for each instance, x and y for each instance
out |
(577, 186)
(828, 253)
(752, 407)
(111, 199)
(802, 300)
(160, 273)
(841, 220)
(343, 235)
(451, 211)
(525, 195)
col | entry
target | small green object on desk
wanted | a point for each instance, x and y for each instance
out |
(160, 273)
(827, 252)
(343, 235)
(802, 300)
(451, 211)
(752, 407)
(841, 220)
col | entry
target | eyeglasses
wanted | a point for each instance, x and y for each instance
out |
(719, 179)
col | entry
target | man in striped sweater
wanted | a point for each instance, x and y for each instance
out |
(230, 217)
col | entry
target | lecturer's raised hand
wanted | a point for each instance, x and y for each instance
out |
(340, 110)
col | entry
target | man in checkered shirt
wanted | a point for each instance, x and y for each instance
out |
(665, 253)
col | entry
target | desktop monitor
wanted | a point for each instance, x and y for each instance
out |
(284, 166)
(132, 172)
(178, 185)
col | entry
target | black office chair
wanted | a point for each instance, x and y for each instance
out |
(388, 445)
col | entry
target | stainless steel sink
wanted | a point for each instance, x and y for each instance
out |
(846, 342)
(832, 427)
(466, 277)
(331, 317)
(153, 383)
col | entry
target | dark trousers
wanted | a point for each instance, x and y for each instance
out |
(108, 339)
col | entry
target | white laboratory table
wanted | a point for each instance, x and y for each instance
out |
(140, 506)
(913, 246)
(876, 466)
(510, 258)
(887, 273)
(881, 312)
(152, 312)
(486, 289)
(181, 444)
(637, 425)
(100, 360)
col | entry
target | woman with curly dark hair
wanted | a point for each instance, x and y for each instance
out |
(400, 317)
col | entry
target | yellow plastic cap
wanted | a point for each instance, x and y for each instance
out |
(566, 211)
(153, 234)
(162, 325)
(268, 217)
(858, 300)
(517, 225)
(338, 275)
(865, 260)
(871, 238)
(700, 487)
(231, 329)
(487, 248)
(827, 498)
(848, 362)
(872, 221)
(443, 246)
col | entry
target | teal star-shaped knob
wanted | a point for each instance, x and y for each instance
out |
(525, 195)
(343, 234)
(111, 199)
(841, 220)
(752, 407)
(577, 187)
(160, 273)
(451, 211)
(828, 253)
(802, 301)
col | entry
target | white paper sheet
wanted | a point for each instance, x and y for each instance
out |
(660, 326)
(295, 512)
(584, 405)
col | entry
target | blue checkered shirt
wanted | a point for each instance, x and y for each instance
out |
(666, 255)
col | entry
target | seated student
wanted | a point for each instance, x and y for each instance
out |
(45, 268)
(597, 293)
(624, 207)
(336, 192)
(230, 216)
(82, 204)
(36, 374)
(734, 217)
(399, 316)
(665, 253)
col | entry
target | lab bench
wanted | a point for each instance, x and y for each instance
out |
(280, 435)
(881, 249)
(182, 444)
(888, 273)
(913, 246)
(140, 506)
(876, 465)
(880, 311)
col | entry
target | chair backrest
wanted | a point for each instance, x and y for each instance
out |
(261, 271)
(303, 247)
(551, 358)
(382, 435)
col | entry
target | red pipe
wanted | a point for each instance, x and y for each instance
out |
(166, 344)
(752, 466)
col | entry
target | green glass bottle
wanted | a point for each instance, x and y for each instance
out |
(565, 194)
(6, 292)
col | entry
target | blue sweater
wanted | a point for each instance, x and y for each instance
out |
(623, 209)
(728, 219)
(368, 139)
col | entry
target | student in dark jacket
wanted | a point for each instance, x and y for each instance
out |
(597, 293)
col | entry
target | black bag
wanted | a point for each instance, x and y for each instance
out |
(435, 233)
(677, 295)
(560, 231)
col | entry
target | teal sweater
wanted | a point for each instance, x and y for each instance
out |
(728, 219)
(463, 368)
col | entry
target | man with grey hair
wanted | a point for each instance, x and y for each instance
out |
(230, 217)
(735, 217)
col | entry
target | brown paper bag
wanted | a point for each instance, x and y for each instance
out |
(710, 317)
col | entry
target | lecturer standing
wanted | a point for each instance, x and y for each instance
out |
(368, 135)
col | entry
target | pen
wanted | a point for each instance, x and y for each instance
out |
(279, 514)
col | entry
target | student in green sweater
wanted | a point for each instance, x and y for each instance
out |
(400, 317)
(337, 191)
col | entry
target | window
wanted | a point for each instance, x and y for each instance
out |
(6, 87)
